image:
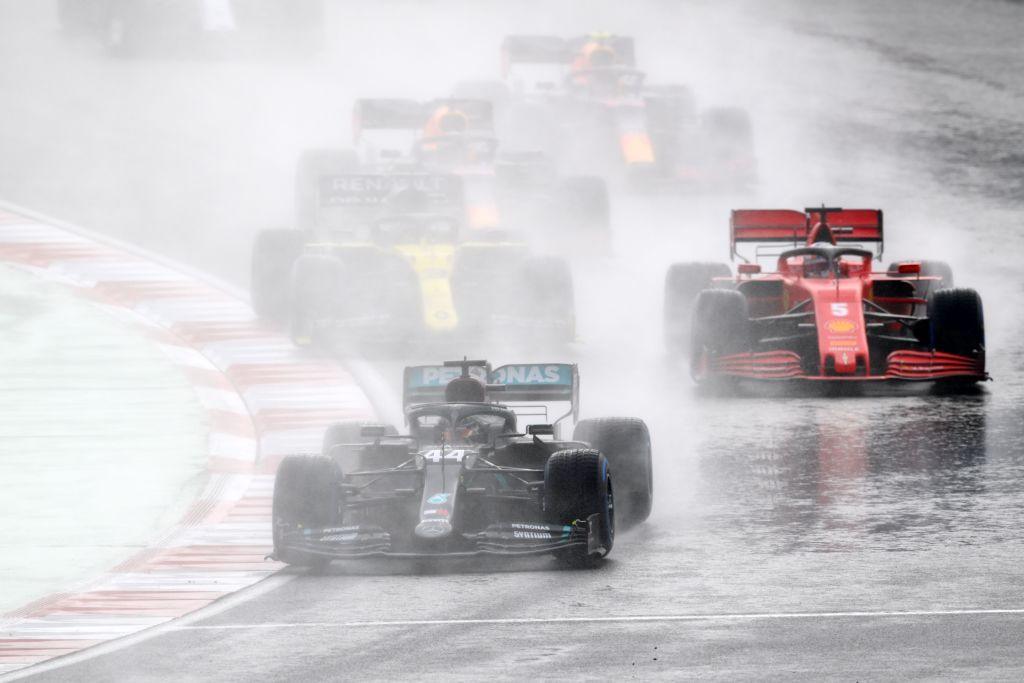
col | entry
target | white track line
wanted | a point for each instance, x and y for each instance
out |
(601, 620)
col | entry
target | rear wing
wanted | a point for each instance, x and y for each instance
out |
(374, 189)
(521, 383)
(765, 226)
(426, 383)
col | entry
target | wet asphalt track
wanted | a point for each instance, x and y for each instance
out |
(854, 537)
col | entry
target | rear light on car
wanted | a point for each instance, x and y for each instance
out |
(749, 268)
(909, 268)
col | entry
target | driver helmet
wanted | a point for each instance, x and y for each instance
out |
(465, 390)
(594, 55)
(474, 429)
(821, 232)
(445, 120)
(816, 266)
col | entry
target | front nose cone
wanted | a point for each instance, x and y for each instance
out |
(433, 528)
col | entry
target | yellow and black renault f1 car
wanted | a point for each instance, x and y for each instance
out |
(465, 481)
(390, 264)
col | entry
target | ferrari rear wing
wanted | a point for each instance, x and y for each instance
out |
(794, 227)
(521, 383)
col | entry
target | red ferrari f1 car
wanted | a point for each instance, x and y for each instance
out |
(824, 314)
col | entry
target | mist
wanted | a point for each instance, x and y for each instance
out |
(764, 502)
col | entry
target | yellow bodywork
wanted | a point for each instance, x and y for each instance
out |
(432, 264)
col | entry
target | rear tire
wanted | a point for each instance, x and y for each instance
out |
(683, 282)
(721, 326)
(957, 321)
(273, 256)
(626, 443)
(307, 494)
(577, 484)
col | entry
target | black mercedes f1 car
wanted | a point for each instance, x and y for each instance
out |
(465, 481)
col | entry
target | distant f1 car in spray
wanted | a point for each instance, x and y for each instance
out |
(138, 27)
(823, 314)
(584, 100)
(465, 481)
(519, 191)
(390, 262)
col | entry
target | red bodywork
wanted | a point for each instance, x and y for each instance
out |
(848, 324)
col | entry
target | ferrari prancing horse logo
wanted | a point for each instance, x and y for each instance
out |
(840, 326)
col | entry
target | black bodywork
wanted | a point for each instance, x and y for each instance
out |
(464, 482)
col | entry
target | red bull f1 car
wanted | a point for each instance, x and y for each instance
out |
(823, 314)
(468, 479)
(584, 99)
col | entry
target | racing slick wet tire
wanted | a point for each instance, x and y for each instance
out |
(957, 321)
(721, 326)
(351, 431)
(577, 484)
(273, 255)
(550, 301)
(307, 494)
(683, 282)
(626, 443)
(313, 165)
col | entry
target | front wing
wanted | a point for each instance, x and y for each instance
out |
(907, 365)
(509, 539)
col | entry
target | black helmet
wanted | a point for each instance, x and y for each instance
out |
(465, 390)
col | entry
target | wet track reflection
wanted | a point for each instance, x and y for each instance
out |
(766, 505)
(900, 475)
